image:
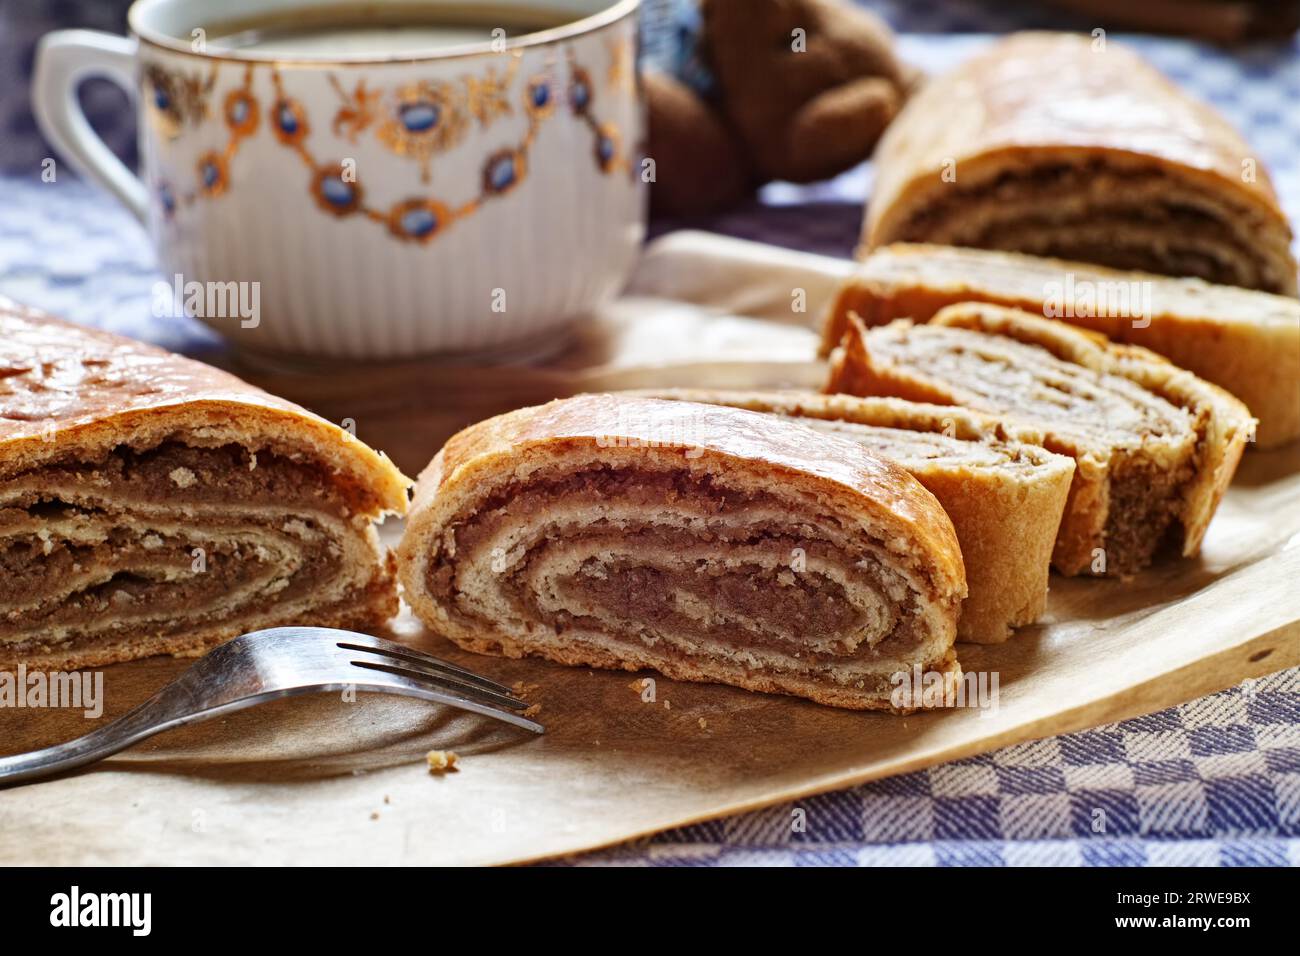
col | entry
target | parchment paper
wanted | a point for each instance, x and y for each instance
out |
(320, 780)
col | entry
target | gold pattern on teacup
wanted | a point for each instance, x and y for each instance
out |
(608, 148)
(426, 119)
(358, 109)
(580, 90)
(418, 220)
(241, 114)
(620, 77)
(539, 96)
(420, 120)
(504, 170)
(336, 192)
(176, 100)
(288, 117)
(214, 174)
(290, 125)
(606, 144)
(487, 97)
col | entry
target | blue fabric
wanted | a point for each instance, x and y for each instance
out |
(1213, 782)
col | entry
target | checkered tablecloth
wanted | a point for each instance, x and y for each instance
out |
(1213, 782)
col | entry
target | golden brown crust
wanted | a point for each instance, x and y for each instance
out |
(1223, 422)
(1006, 517)
(64, 386)
(1244, 341)
(1043, 102)
(750, 450)
(73, 394)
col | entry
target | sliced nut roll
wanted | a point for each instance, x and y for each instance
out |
(1155, 446)
(150, 504)
(1005, 498)
(1247, 342)
(707, 543)
(1055, 144)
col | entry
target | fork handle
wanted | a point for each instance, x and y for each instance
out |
(135, 725)
(100, 743)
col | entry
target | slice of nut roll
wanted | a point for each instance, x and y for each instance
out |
(150, 504)
(1155, 446)
(707, 543)
(1247, 342)
(1005, 497)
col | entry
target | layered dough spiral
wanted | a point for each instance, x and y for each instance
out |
(1244, 341)
(150, 504)
(1005, 497)
(707, 543)
(1046, 144)
(1154, 446)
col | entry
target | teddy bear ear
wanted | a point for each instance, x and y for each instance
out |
(699, 165)
(833, 131)
(864, 45)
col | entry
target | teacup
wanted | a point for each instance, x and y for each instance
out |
(426, 182)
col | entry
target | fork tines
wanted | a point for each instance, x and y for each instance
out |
(425, 668)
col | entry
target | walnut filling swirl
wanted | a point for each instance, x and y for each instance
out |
(1125, 216)
(1154, 445)
(1147, 444)
(146, 543)
(680, 567)
(1004, 498)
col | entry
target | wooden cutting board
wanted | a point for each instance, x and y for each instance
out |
(321, 780)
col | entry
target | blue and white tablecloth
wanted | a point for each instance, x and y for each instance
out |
(1213, 782)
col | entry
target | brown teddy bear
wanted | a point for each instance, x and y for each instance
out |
(798, 90)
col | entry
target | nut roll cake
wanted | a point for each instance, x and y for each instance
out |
(150, 504)
(707, 543)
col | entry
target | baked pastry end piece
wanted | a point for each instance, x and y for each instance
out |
(707, 543)
(1155, 447)
(150, 504)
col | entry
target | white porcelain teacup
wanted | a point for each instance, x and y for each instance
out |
(448, 179)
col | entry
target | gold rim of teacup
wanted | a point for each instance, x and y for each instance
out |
(611, 14)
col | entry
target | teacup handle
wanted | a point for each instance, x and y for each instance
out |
(65, 59)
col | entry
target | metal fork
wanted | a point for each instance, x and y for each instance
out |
(278, 662)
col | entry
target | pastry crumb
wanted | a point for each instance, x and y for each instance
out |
(704, 724)
(441, 761)
(523, 690)
(374, 814)
(668, 704)
(387, 799)
(182, 477)
(533, 711)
